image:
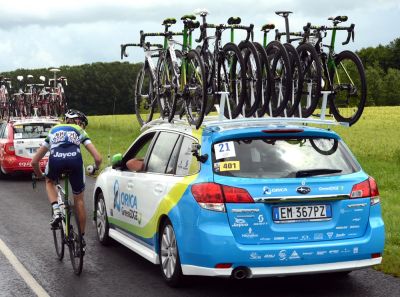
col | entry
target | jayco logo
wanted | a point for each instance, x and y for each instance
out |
(64, 155)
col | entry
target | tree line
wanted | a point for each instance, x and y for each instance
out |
(93, 88)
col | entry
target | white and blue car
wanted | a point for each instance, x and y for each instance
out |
(241, 199)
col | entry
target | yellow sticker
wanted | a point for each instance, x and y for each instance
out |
(229, 165)
(18, 126)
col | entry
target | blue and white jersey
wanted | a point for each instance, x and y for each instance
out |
(66, 135)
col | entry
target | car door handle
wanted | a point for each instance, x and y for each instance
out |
(130, 186)
(159, 188)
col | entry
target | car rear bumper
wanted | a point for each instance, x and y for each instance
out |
(206, 246)
(14, 164)
(283, 270)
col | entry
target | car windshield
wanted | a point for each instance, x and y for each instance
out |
(282, 158)
(36, 130)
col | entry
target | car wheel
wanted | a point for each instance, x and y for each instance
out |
(170, 263)
(102, 226)
(2, 172)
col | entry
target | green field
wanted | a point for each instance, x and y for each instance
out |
(375, 140)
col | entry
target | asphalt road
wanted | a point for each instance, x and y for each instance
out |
(116, 271)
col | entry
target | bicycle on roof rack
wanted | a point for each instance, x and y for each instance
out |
(343, 73)
(57, 99)
(225, 69)
(279, 61)
(183, 73)
(5, 86)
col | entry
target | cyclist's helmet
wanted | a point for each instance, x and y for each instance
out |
(76, 114)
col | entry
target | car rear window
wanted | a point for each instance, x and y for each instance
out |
(282, 158)
(36, 130)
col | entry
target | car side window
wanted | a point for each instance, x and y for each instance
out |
(187, 163)
(134, 159)
(161, 153)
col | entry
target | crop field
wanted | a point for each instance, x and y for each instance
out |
(375, 141)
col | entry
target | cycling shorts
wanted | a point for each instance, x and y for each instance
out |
(67, 160)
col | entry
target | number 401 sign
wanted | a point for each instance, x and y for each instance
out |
(224, 150)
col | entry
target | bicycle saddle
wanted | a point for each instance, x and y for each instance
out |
(267, 27)
(234, 20)
(339, 18)
(188, 17)
(192, 25)
(283, 13)
(201, 12)
(169, 21)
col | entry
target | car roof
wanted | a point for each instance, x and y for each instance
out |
(34, 120)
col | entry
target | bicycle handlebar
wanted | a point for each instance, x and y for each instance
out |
(35, 179)
(350, 30)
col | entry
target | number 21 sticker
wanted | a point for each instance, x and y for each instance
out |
(224, 150)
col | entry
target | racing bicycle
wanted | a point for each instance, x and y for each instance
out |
(68, 231)
(343, 74)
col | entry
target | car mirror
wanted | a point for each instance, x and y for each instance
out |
(196, 152)
(116, 160)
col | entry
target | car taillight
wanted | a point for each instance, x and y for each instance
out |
(213, 196)
(9, 149)
(365, 189)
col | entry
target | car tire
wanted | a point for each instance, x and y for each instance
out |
(2, 173)
(101, 220)
(170, 263)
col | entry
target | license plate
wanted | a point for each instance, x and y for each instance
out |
(32, 150)
(302, 213)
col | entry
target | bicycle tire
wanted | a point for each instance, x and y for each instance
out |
(166, 85)
(74, 241)
(311, 70)
(195, 89)
(356, 84)
(282, 76)
(59, 240)
(266, 78)
(231, 78)
(253, 87)
(178, 104)
(144, 102)
(297, 80)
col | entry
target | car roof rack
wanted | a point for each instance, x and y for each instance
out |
(221, 121)
(33, 118)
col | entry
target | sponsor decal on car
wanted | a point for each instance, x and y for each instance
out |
(126, 204)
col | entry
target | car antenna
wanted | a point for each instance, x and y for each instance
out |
(110, 137)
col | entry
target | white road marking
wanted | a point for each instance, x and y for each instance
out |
(27, 277)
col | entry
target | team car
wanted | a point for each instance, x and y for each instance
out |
(241, 199)
(19, 140)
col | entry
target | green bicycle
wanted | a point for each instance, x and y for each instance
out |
(343, 73)
(68, 231)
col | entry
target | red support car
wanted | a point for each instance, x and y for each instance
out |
(19, 140)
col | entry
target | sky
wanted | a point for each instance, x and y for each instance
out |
(44, 33)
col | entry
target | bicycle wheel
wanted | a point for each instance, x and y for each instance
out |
(282, 76)
(253, 86)
(74, 241)
(232, 79)
(178, 104)
(195, 91)
(267, 82)
(59, 242)
(349, 87)
(144, 96)
(166, 84)
(311, 70)
(297, 81)
(210, 81)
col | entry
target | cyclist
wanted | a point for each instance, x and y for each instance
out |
(63, 142)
